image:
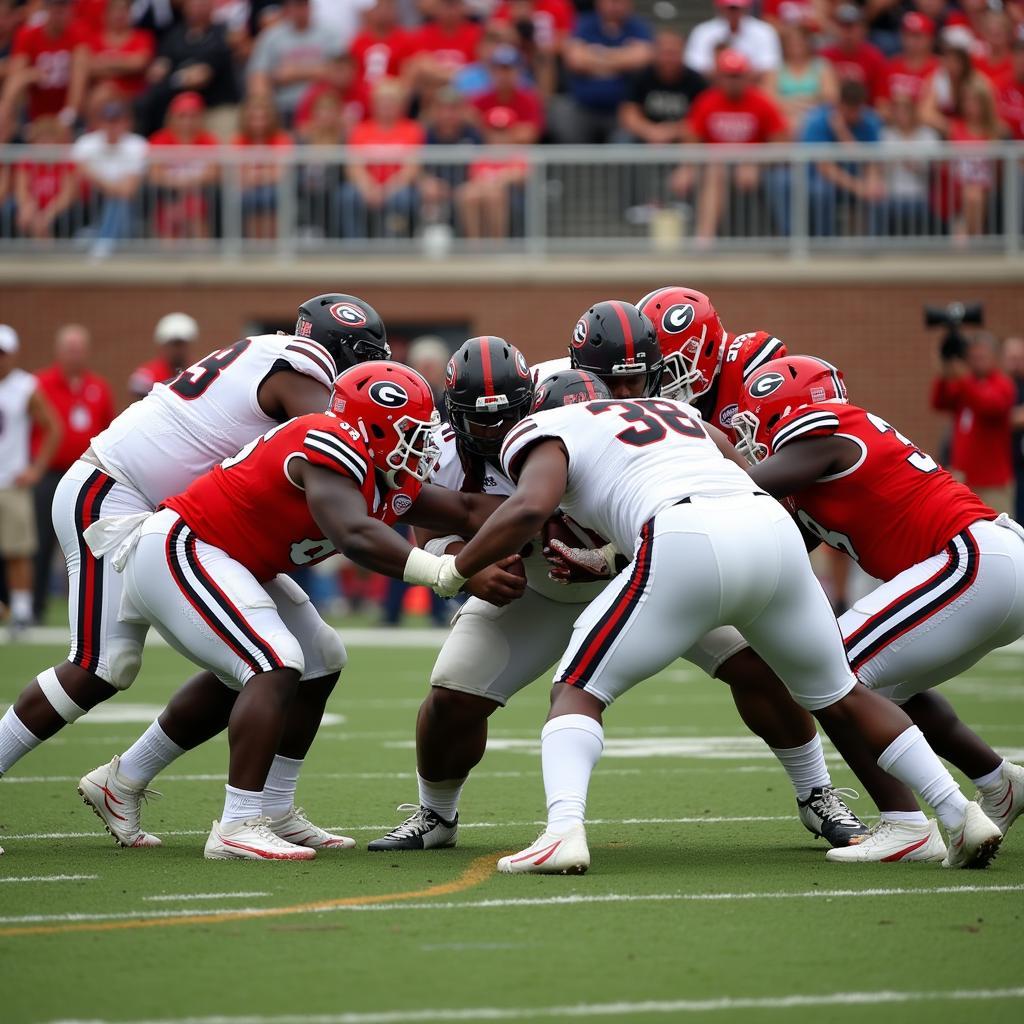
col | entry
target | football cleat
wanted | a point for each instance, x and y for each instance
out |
(551, 854)
(252, 839)
(825, 814)
(118, 804)
(889, 842)
(1003, 802)
(975, 843)
(424, 829)
(294, 827)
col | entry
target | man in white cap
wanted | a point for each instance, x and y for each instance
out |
(21, 405)
(175, 334)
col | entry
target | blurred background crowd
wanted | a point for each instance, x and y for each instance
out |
(128, 83)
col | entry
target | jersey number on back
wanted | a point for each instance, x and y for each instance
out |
(194, 382)
(652, 419)
(918, 459)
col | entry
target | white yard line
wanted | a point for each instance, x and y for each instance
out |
(185, 896)
(585, 1010)
(51, 878)
(548, 901)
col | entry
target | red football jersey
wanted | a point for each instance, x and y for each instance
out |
(249, 507)
(894, 508)
(744, 353)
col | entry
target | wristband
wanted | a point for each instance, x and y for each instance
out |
(421, 568)
(439, 545)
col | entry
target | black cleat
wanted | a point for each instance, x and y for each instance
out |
(422, 830)
(825, 814)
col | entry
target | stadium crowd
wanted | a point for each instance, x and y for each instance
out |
(129, 81)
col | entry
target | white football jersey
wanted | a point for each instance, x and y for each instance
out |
(16, 391)
(206, 414)
(451, 474)
(628, 460)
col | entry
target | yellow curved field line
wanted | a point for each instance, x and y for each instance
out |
(479, 870)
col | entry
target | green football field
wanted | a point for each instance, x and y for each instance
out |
(706, 899)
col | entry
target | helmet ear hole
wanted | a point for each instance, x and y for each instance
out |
(377, 432)
(773, 420)
(792, 370)
(709, 348)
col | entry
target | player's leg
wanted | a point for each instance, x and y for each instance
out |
(18, 547)
(490, 654)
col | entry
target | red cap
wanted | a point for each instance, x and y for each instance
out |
(915, 21)
(187, 103)
(731, 62)
(734, 3)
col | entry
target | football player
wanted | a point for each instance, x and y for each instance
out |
(154, 449)
(952, 571)
(206, 572)
(708, 548)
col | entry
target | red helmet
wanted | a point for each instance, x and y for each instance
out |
(392, 407)
(778, 389)
(691, 337)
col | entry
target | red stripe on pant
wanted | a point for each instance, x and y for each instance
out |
(90, 569)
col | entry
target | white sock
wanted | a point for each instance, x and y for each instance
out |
(282, 781)
(149, 755)
(570, 747)
(441, 797)
(905, 817)
(993, 778)
(805, 766)
(15, 740)
(241, 805)
(910, 759)
(21, 605)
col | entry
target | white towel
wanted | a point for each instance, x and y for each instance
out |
(120, 533)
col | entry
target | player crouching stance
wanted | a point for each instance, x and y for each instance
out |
(953, 573)
(708, 549)
(204, 569)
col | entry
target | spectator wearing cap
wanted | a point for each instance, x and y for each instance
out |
(735, 28)
(175, 335)
(907, 73)
(382, 197)
(112, 161)
(450, 121)
(942, 98)
(121, 52)
(804, 80)
(184, 184)
(732, 112)
(852, 56)
(22, 406)
(606, 47)
(508, 91)
(258, 125)
(45, 191)
(1010, 89)
(660, 96)
(84, 404)
(291, 55)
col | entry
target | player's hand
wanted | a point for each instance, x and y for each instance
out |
(579, 565)
(496, 585)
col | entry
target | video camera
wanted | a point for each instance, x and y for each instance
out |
(953, 317)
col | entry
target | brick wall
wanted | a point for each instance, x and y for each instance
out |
(872, 331)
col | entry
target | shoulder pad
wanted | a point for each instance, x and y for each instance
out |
(308, 357)
(760, 348)
(809, 421)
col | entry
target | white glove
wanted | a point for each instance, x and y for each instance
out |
(434, 571)
(449, 582)
(597, 563)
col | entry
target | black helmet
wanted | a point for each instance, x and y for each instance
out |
(614, 339)
(569, 387)
(488, 385)
(349, 328)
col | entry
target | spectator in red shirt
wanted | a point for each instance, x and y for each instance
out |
(507, 90)
(997, 38)
(852, 55)
(185, 185)
(258, 125)
(943, 94)
(381, 47)
(732, 112)
(907, 73)
(541, 28)
(980, 397)
(443, 46)
(84, 405)
(382, 197)
(1010, 95)
(176, 335)
(49, 67)
(973, 177)
(45, 191)
(122, 53)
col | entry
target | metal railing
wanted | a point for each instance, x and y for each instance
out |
(594, 200)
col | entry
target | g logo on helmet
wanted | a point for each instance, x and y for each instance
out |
(451, 373)
(580, 332)
(522, 368)
(766, 384)
(389, 394)
(348, 314)
(677, 318)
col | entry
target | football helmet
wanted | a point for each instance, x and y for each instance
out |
(488, 389)
(569, 387)
(775, 391)
(349, 328)
(614, 339)
(392, 408)
(691, 337)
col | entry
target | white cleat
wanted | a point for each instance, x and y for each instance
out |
(975, 843)
(118, 804)
(294, 827)
(1003, 801)
(889, 842)
(551, 854)
(251, 840)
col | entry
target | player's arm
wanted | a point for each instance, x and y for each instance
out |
(453, 512)
(45, 418)
(802, 463)
(542, 482)
(494, 584)
(288, 393)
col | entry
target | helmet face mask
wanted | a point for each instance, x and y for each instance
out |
(416, 451)
(748, 443)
